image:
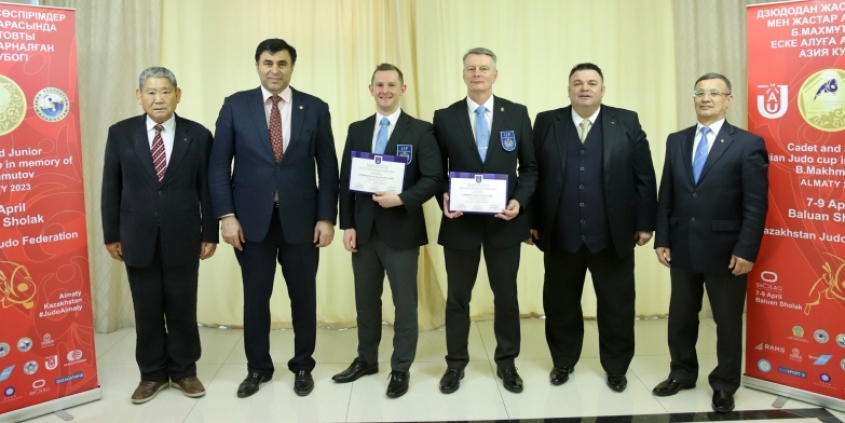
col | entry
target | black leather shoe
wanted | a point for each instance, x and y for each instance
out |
(617, 381)
(510, 378)
(723, 402)
(451, 380)
(303, 384)
(398, 385)
(250, 385)
(358, 368)
(560, 375)
(670, 387)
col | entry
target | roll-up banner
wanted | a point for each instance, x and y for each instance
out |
(795, 342)
(47, 359)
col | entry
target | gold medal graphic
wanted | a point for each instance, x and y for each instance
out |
(821, 100)
(12, 105)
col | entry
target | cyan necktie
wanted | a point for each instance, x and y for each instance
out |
(482, 133)
(381, 139)
(700, 154)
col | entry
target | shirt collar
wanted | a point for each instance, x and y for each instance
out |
(393, 117)
(169, 125)
(576, 118)
(286, 94)
(715, 127)
(473, 105)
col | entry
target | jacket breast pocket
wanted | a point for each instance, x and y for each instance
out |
(725, 225)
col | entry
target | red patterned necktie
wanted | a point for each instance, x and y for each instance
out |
(159, 156)
(276, 138)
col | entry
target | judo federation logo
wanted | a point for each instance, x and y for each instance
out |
(821, 102)
(773, 103)
(478, 179)
(829, 287)
(12, 105)
(378, 159)
(51, 104)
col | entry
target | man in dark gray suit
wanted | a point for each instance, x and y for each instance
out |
(384, 230)
(157, 219)
(710, 219)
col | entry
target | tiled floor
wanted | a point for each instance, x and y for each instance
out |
(481, 396)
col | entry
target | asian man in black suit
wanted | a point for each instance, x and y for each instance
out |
(710, 219)
(385, 230)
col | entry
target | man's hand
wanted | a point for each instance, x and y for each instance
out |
(664, 256)
(232, 232)
(510, 212)
(350, 240)
(114, 250)
(387, 199)
(740, 265)
(207, 250)
(642, 237)
(534, 235)
(323, 233)
(450, 215)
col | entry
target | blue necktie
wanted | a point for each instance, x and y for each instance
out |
(700, 154)
(381, 139)
(482, 133)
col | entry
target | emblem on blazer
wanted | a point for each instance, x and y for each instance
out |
(508, 140)
(51, 104)
(821, 102)
(406, 151)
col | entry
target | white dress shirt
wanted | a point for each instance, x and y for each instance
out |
(711, 136)
(393, 117)
(488, 115)
(284, 111)
(167, 135)
(577, 119)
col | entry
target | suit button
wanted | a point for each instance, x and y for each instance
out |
(582, 168)
(693, 219)
(695, 194)
(583, 152)
(159, 193)
(583, 221)
(583, 237)
(155, 214)
(582, 204)
(581, 186)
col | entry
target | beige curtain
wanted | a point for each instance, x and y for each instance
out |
(210, 44)
(115, 40)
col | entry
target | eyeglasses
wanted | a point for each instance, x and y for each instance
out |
(711, 93)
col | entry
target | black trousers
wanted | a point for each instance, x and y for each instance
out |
(165, 300)
(369, 265)
(258, 269)
(727, 301)
(462, 270)
(613, 281)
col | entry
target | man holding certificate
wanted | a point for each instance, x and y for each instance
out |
(390, 167)
(482, 140)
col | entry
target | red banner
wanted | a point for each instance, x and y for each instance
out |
(796, 295)
(46, 334)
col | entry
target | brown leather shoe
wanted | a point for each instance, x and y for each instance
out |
(190, 386)
(147, 390)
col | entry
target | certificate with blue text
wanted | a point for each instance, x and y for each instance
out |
(482, 193)
(373, 173)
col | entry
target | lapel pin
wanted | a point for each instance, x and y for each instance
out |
(300, 107)
(502, 109)
(723, 140)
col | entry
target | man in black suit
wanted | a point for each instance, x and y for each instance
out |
(272, 206)
(157, 219)
(505, 143)
(595, 199)
(384, 230)
(710, 219)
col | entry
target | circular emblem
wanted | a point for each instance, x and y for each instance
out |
(4, 349)
(798, 331)
(12, 105)
(9, 391)
(821, 100)
(764, 365)
(842, 364)
(30, 367)
(51, 104)
(821, 336)
(840, 340)
(796, 351)
(825, 377)
(24, 344)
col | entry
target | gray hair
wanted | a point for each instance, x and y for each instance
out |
(714, 75)
(156, 72)
(481, 50)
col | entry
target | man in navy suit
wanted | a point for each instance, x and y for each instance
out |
(384, 230)
(157, 219)
(274, 206)
(710, 217)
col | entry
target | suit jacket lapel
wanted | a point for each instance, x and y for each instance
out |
(723, 140)
(256, 107)
(686, 153)
(297, 116)
(462, 117)
(561, 130)
(612, 134)
(142, 147)
(402, 125)
(181, 141)
(364, 138)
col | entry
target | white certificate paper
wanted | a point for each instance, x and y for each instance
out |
(371, 173)
(481, 193)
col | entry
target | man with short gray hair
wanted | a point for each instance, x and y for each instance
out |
(157, 219)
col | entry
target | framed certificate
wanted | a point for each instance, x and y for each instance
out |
(481, 193)
(371, 173)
